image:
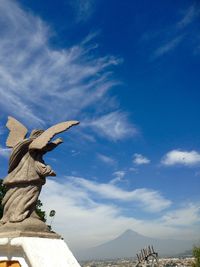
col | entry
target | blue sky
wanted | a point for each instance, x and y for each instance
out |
(129, 72)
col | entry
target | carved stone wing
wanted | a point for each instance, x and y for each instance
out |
(17, 132)
(41, 141)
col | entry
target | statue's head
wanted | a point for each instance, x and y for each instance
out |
(35, 133)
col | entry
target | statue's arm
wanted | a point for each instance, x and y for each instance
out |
(42, 141)
(50, 146)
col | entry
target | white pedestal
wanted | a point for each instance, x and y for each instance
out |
(37, 252)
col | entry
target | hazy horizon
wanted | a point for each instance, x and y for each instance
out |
(130, 243)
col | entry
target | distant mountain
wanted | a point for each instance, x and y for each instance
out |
(130, 243)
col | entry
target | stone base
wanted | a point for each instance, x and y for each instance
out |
(13, 234)
(37, 252)
(30, 227)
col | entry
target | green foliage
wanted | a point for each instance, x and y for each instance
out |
(196, 254)
(39, 210)
(2, 194)
(41, 213)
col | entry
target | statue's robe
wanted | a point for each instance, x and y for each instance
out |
(24, 181)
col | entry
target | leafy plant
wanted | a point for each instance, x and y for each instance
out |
(196, 254)
(2, 194)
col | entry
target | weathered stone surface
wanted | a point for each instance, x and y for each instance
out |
(26, 175)
(28, 227)
(43, 139)
(16, 233)
(17, 132)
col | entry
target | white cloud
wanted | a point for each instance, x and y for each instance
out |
(180, 157)
(176, 34)
(114, 126)
(4, 152)
(140, 159)
(2, 130)
(75, 153)
(83, 215)
(106, 159)
(34, 74)
(190, 15)
(83, 9)
(79, 218)
(148, 200)
(186, 216)
(119, 175)
(167, 47)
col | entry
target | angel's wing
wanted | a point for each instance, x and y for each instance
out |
(17, 132)
(41, 141)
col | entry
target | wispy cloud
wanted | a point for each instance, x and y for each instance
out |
(2, 130)
(75, 153)
(114, 126)
(187, 215)
(167, 47)
(106, 159)
(119, 175)
(174, 34)
(140, 159)
(83, 9)
(189, 16)
(85, 216)
(148, 199)
(34, 74)
(4, 152)
(180, 157)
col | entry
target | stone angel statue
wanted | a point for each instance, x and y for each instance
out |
(27, 170)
